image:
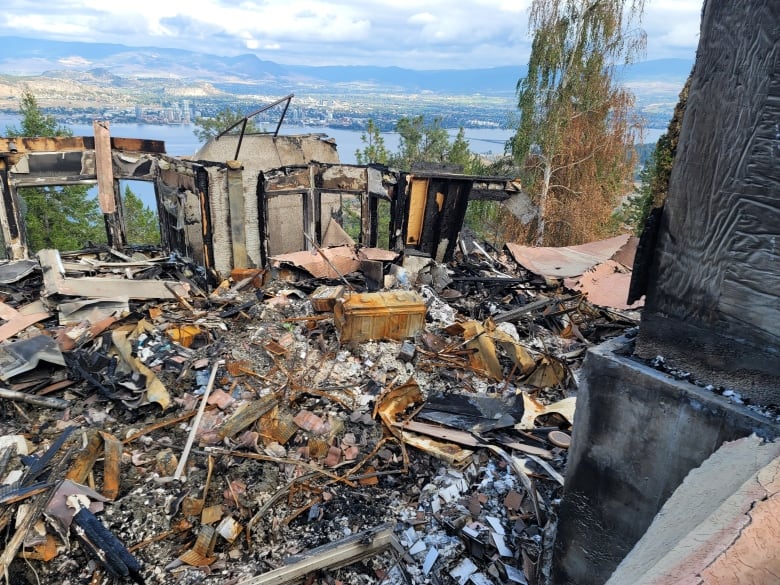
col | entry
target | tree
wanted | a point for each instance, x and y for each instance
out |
(142, 225)
(34, 121)
(374, 151)
(65, 218)
(460, 154)
(55, 217)
(420, 142)
(574, 142)
(207, 128)
(657, 171)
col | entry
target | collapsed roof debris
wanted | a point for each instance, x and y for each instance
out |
(323, 377)
(261, 430)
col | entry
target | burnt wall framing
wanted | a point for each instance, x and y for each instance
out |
(299, 203)
(426, 210)
(204, 207)
(62, 161)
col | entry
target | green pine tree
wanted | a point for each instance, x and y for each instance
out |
(66, 218)
(374, 150)
(142, 225)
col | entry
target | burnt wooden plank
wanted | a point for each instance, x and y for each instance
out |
(235, 183)
(104, 167)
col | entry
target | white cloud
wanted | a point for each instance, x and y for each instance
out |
(443, 34)
(421, 18)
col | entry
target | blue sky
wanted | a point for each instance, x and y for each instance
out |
(416, 34)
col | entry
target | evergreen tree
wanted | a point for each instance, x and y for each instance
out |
(576, 124)
(374, 151)
(34, 121)
(420, 142)
(66, 218)
(142, 225)
(460, 154)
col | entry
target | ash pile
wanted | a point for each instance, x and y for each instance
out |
(348, 415)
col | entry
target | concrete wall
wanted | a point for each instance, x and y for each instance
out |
(637, 434)
(712, 301)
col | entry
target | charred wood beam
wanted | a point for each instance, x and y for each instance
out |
(298, 190)
(235, 181)
(27, 144)
(477, 194)
(11, 219)
(105, 546)
(207, 229)
(534, 307)
(52, 181)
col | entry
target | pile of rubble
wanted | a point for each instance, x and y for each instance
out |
(347, 416)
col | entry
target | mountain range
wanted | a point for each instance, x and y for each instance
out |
(115, 64)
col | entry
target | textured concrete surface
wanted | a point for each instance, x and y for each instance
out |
(721, 526)
(637, 434)
(712, 301)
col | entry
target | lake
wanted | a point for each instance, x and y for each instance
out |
(180, 140)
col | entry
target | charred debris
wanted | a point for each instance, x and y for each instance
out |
(268, 399)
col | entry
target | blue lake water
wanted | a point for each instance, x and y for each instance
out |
(180, 140)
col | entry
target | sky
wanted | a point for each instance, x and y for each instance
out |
(415, 34)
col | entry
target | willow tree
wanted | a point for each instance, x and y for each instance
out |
(575, 138)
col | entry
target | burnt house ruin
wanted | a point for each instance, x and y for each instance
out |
(671, 466)
(225, 213)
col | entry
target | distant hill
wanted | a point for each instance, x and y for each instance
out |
(664, 69)
(111, 62)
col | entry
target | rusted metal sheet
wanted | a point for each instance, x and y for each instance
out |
(605, 284)
(335, 263)
(568, 261)
(394, 315)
